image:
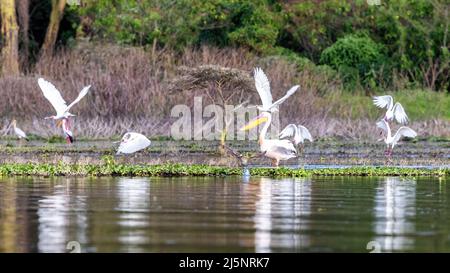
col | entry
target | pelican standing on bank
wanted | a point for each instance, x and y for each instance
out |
(393, 110)
(133, 142)
(19, 133)
(54, 97)
(390, 140)
(276, 149)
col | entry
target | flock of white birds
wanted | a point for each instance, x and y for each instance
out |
(285, 146)
(130, 143)
(282, 148)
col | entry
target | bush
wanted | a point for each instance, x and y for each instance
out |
(357, 58)
(312, 26)
(178, 24)
(413, 34)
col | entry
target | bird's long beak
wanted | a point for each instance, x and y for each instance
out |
(255, 122)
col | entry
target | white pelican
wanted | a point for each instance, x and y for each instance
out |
(297, 133)
(393, 110)
(276, 149)
(133, 142)
(19, 133)
(390, 140)
(263, 87)
(54, 97)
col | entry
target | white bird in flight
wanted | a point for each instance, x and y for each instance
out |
(19, 133)
(393, 110)
(276, 149)
(133, 142)
(54, 97)
(390, 140)
(263, 87)
(297, 133)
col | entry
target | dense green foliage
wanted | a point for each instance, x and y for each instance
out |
(414, 34)
(356, 58)
(398, 44)
(183, 23)
(110, 168)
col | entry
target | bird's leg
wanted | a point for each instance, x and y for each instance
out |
(300, 149)
(390, 155)
(274, 163)
(69, 139)
(386, 155)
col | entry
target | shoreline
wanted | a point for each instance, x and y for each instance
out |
(340, 153)
(110, 168)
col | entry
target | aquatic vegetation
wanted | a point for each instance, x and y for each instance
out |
(110, 168)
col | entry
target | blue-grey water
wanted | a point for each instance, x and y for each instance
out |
(232, 214)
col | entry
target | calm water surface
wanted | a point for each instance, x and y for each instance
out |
(224, 214)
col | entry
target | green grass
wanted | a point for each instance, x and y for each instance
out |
(110, 168)
(419, 104)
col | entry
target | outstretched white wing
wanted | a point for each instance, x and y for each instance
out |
(83, 93)
(382, 125)
(262, 85)
(400, 114)
(282, 146)
(289, 131)
(133, 144)
(289, 93)
(404, 131)
(53, 96)
(304, 132)
(383, 101)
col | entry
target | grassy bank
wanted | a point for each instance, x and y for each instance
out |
(112, 169)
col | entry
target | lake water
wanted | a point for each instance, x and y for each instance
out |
(231, 214)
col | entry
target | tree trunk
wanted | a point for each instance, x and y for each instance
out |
(23, 7)
(10, 34)
(53, 27)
